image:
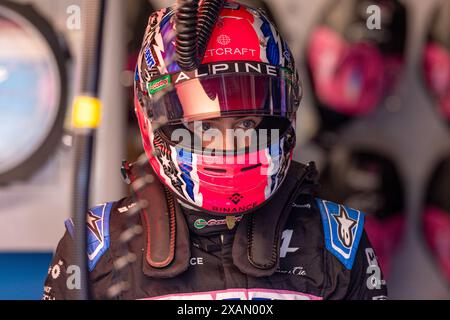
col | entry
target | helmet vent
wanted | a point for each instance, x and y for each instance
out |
(216, 170)
(251, 167)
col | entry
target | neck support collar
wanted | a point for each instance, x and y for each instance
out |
(257, 238)
(167, 250)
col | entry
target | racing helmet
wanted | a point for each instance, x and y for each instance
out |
(247, 70)
(353, 63)
(436, 60)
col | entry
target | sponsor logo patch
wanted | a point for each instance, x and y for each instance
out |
(223, 39)
(202, 223)
(214, 69)
(236, 198)
(343, 228)
(238, 209)
(346, 226)
(159, 84)
(227, 51)
(98, 238)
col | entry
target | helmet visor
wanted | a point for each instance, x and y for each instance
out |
(174, 101)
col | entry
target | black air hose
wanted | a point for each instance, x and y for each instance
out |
(208, 14)
(186, 26)
(86, 117)
(194, 26)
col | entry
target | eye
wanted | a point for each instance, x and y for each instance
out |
(246, 124)
(206, 126)
(203, 126)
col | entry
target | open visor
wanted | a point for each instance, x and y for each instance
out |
(174, 100)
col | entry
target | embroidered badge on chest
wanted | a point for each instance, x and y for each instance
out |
(346, 226)
(343, 228)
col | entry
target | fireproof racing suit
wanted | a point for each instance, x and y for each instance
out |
(324, 253)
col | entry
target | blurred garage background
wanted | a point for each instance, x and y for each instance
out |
(401, 143)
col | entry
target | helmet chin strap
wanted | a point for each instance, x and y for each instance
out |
(257, 238)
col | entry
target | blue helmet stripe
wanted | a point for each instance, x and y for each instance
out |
(184, 159)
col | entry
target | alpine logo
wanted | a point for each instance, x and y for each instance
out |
(285, 249)
(215, 69)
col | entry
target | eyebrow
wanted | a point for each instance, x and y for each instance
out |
(254, 118)
(215, 121)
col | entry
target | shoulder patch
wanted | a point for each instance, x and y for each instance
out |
(98, 239)
(343, 228)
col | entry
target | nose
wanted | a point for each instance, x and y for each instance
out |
(228, 143)
(226, 140)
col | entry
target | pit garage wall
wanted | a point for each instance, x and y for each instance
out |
(32, 212)
(28, 207)
(411, 134)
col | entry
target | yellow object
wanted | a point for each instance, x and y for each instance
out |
(231, 222)
(86, 112)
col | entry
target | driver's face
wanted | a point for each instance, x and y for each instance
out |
(227, 127)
